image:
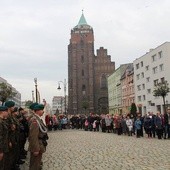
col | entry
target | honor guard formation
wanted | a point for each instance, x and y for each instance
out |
(15, 129)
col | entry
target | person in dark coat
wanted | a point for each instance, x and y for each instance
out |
(167, 124)
(148, 125)
(123, 124)
(138, 127)
(158, 125)
(153, 129)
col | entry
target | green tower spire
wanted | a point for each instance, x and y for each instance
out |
(82, 20)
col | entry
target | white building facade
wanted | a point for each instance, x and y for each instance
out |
(151, 68)
(58, 105)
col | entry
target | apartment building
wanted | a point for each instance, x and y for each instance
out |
(115, 90)
(127, 84)
(149, 69)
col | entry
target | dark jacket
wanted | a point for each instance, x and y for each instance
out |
(158, 122)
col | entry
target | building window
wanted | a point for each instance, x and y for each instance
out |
(138, 76)
(141, 63)
(139, 87)
(82, 59)
(160, 54)
(82, 72)
(144, 98)
(139, 98)
(149, 103)
(162, 80)
(155, 70)
(155, 82)
(147, 68)
(161, 67)
(83, 87)
(148, 91)
(153, 58)
(137, 66)
(142, 74)
(148, 79)
(143, 86)
(103, 83)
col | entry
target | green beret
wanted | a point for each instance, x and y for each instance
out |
(9, 104)
(3, 108)
(33, 105)
(39, 107)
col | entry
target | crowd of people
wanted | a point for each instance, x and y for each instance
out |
(16, 126)
(153, 125)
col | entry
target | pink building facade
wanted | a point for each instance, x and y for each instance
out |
(128, 93)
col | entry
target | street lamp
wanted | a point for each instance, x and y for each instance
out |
(33, 100)
(59, 88)
(36, 91)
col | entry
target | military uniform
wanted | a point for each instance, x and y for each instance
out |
(16, 145)
(4, 142)
(12, 127)
(37, 139)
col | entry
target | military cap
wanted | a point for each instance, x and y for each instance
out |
(3, 108)
(39, 107)
(9, 104)
(33, 105)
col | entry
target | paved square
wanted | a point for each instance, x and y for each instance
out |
(81, 150)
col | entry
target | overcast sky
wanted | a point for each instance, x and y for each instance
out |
(34, 35)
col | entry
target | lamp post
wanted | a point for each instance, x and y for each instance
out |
(59, 88)
(36, 91)
(33, 100)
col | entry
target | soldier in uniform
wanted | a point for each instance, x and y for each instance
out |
(37, 138)
(23, 131)
(32, 110)
(12, 137)
(17, 138)
(4, 143)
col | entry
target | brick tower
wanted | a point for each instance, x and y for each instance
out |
(81, 70)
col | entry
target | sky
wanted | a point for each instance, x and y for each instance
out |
(34, 36)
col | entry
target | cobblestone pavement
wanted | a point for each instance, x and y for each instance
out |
(82, 150)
